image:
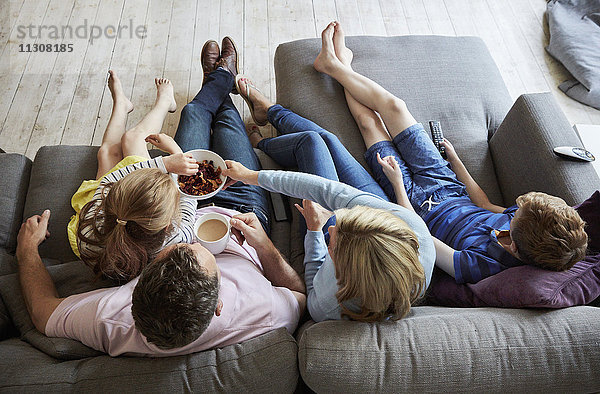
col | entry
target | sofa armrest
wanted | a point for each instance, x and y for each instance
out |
(522, 151)
(14, 181)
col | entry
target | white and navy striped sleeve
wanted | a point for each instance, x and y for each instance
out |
(183, 231)
(123, 172)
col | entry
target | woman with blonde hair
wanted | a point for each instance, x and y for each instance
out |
(133, 207)
(380, 255)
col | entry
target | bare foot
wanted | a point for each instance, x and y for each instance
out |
(116, 91)
(326, 61)
(254, 134)
(260, 103)
(339, 44)
(164, 93)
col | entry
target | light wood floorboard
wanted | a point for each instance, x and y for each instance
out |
(62, 98)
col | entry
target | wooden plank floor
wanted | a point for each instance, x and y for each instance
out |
(61, 98)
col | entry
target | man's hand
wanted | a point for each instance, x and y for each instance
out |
(164, 142)
(34, 231)
(181, 164)
(246, 226)
(391, 169)
(451, 155)
(237, 172)
(314, 214)
(37, 287)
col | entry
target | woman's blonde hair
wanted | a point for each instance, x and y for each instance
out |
(376, 259)
(145, 202)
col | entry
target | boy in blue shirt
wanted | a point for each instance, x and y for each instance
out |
(474, 238)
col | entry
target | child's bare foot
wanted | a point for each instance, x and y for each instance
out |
(326, 61)
(257, 102)
(339, 44)
(116, 91)
(254, 134)
(164, 94)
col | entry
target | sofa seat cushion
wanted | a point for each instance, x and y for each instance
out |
(267, 363)
(13, 187)
(456, 350)
(450, 79)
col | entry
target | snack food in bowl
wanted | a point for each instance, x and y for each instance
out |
(208, 181)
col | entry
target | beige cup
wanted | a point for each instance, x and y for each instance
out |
(212, 231)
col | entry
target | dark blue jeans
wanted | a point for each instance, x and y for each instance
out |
(212, 108)
(428, 178)
(314, 150)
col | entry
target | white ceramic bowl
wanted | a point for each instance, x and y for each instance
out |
(201, 155)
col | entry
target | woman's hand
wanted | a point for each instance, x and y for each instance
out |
(237, 172)
(181, 164)
(450, 152)
(391, 169)
(164, 142)
(315, 215)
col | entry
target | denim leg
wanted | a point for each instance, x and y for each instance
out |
(193, 131)
(305, 150)
(347, 169)
(229, 140)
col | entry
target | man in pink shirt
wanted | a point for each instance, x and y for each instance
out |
(251, 290)
(185, 300)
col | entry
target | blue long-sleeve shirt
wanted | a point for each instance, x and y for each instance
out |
(319, 271)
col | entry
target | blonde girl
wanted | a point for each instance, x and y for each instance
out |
(133, 208)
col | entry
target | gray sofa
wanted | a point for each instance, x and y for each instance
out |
(453, 80)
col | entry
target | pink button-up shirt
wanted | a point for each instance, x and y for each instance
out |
(102, 319)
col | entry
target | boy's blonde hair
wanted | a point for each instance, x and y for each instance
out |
(548, 233)
(376, 259)
(146, 202)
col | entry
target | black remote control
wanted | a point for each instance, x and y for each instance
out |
(437, 136)
(281, 207)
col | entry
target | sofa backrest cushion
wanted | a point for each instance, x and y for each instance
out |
(56, 174)
(13, 188)
(450, 79)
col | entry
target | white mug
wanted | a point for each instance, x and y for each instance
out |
(213, 244)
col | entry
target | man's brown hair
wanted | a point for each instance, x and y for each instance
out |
(548, 233)
(174, 299)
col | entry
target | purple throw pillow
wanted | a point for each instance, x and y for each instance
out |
(523, 287)
(531, 287)
(589, 210)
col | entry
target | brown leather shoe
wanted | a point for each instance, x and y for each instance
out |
(229, 59)
(209, 57)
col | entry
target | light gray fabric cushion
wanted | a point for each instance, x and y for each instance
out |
(13, 187)
(456, 350)
(574, 35)
(450, 79)
(56, 174)
(267, 363)
(522, 149)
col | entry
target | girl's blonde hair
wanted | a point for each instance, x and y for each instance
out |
(376, 259)
(146, 202)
